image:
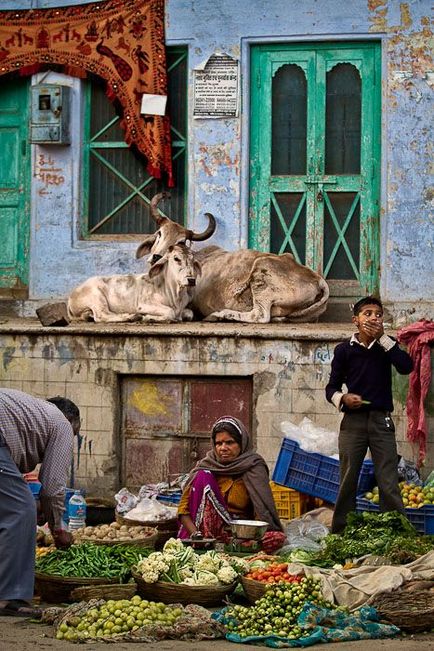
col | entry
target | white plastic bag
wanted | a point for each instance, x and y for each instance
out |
(149, 509)
(125, 501)
(311, 437)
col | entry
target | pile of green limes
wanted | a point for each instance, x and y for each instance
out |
(114, 617)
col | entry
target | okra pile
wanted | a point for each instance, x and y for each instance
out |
(91, 561)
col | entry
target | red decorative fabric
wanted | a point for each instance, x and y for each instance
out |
(418, 337)
(121, 41)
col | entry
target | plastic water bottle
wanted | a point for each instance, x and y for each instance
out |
(77, 511)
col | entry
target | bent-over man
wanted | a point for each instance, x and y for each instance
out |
(32, 431)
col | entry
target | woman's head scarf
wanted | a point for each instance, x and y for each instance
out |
(250, 466)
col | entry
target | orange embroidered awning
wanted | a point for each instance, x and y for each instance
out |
(121, 41)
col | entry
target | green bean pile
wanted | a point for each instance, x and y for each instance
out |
(91, 561)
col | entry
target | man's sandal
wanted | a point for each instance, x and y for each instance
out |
(20, 608)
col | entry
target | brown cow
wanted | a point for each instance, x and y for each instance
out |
(245, 285)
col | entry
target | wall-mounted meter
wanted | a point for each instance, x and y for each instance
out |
(49, 122)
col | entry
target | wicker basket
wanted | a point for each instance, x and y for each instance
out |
(253, 589)
(165, 528)
(148, 541)
(410, 611)
(105, 591)
(55, 589)
(175, 593)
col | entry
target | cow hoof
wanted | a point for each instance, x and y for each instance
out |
(211, 318)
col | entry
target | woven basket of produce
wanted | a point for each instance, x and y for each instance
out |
(104, 591)
(410, 611)
(176, 593)
(57, 589)
(165, 528)
(116, 534)
(253, 589)
(163, 525)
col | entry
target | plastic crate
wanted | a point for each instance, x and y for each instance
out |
(422, 519)
(289, 503)
(35, 487)
(173, 498)
(313, 473)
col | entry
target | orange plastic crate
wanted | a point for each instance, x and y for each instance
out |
(289, 503)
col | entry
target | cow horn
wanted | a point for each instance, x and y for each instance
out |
(199, 237)
(153, 205)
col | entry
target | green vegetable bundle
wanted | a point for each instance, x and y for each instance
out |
(383, 534)
(91, 561)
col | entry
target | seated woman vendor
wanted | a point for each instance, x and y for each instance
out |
(230, 482)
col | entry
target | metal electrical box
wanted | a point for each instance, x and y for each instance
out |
(49, 122)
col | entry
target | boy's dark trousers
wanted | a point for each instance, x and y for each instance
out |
(358, 432)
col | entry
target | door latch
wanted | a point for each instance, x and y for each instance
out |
(319, 196)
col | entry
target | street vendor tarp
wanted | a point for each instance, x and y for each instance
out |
(322, 624)
(121, 41)
(355, 587)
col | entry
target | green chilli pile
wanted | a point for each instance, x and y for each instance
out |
(91, 561)
(276, 613)
(116, 617)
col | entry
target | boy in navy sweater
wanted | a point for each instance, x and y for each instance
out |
(364, 364)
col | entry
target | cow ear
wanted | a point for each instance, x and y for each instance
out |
(157, 267)
(145, 246)
(198, 267)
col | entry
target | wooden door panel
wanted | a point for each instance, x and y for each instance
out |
(14, 188)
(212, 399)
(315, 134)
(166, 422)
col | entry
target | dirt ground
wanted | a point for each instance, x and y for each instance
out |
(22, 635)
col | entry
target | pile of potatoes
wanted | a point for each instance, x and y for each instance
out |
(113, 532)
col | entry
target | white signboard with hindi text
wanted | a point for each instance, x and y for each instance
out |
(216, 89)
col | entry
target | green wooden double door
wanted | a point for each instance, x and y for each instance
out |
(315, 158)
(14, 188)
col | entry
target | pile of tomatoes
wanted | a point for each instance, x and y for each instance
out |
(273, 573)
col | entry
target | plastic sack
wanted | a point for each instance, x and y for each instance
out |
(125, 501)
(307, 528)
(407, 471)
(304, 534)
(311, 437)
(149, 509)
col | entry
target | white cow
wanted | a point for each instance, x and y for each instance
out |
(160, 295)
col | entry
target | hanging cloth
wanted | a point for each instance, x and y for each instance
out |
(419, 338)
(121, 41)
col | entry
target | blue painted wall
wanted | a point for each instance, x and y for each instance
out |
(218, 149)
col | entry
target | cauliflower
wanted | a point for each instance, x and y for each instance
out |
(173, 545)
(205, 578)
(208, 562)
(239, 565)
(151, 567)
(185, 572)
(226, 574)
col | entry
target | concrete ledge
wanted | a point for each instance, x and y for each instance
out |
(288, 331)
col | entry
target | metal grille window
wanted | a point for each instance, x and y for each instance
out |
(116, 186)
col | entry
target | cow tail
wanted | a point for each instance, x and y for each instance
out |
(317, 308)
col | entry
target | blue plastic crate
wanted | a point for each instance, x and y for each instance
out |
(422, 519)
(173, 498)
(35, 487)
(313, 473)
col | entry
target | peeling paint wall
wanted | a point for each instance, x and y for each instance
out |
(288, 377)
(219, 149)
